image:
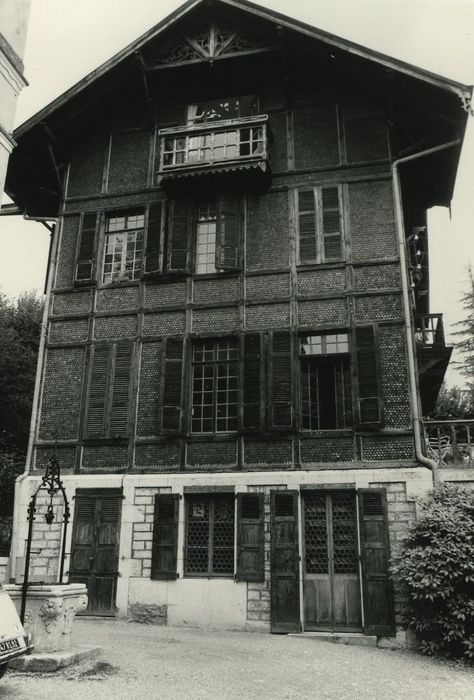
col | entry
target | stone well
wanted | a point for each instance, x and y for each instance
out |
(50, 612)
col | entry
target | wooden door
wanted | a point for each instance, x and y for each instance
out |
(95, 545)
(332, 599)
(285, 606)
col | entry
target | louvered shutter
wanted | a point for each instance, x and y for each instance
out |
(252, 414)
(178, 235)
(228, 233)
(84, 273)
(331, 224)
(250, 539)
(165, 537)
(172, 409)
(281, 383)
(153, 240)
(96, 406)
(120, 391)
(375, 556)
(370, 404)
(307, 226)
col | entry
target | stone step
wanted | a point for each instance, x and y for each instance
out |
(352, 638)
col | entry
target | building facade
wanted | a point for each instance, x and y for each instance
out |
(13, 23)
(238, 347)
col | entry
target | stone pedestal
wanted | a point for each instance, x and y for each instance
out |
(50, 612)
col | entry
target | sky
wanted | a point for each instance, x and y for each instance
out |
(69, 38)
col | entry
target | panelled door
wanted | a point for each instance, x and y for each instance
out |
(332, 598)
(285, 606)
(95, 545)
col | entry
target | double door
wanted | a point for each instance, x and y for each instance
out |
(329, 561)
(95, 547)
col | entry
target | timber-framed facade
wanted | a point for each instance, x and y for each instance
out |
(236, 307)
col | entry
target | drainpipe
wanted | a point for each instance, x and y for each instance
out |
(42, 343)
(18, 507)
(409, 326)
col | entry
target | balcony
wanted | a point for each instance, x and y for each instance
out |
(433, 357)
(215, 148)
(451, 442)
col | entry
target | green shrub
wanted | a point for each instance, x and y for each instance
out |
(435, 567)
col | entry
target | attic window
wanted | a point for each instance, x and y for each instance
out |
(226, 108)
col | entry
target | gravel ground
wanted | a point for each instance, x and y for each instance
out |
(164, 662)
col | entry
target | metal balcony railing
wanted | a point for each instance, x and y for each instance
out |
(201, 147)
(429, 331)
(450, 442)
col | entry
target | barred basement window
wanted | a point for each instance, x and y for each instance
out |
(123, 250)
(215, 379)
(320, 225)
(325, 382)
(209, 535)
(206, 238)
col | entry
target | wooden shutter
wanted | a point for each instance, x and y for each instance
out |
(172, 408)
(250, 540)
(228, 233)
(307, 226)
(285, 608)
(252, 354)
(96, 406)
(84, 273)
(121, 390)
(153, 240)
(178, 235)
(370, 403)
(165, 537)
(331, 224)
(281, 383)
(375, 555)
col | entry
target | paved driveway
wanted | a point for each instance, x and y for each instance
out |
(162, 662)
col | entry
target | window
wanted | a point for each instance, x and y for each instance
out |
(206, 238)
(325, 381)
(123, 249)
(210, 535)
(215, 380)
(320, 225)
(224, 108)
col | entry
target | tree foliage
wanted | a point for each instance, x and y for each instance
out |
(465, 332)
(20, 329)
(454, 402)
(435, 567)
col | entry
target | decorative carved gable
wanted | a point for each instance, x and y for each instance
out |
(209, 42)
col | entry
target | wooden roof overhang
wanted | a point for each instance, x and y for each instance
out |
(419, 98)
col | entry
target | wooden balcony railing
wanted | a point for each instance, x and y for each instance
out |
(429, 331)
(214, 146)
(450, 442)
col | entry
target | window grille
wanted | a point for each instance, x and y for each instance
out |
(210, 535)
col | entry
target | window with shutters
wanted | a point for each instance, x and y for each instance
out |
(206, 238)
(123, 247)
(209, 549)
(215, 386)
(320, 225)
(325, 381)
(107, 405)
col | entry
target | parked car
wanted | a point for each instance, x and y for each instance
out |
(13, 640)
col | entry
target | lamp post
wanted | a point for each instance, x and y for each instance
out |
(51, 481)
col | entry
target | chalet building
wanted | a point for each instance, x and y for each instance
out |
(238, 345)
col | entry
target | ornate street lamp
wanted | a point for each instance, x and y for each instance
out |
(51, 481)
